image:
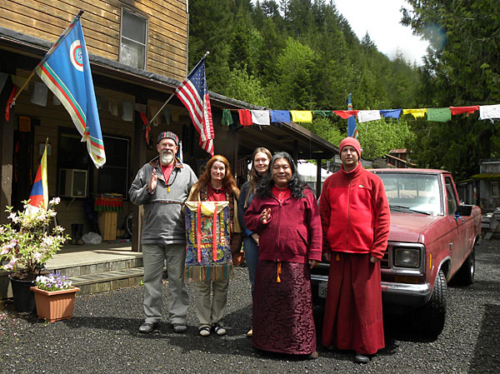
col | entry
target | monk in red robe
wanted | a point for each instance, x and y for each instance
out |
(355, 218)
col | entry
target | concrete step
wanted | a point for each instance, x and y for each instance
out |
(107, 281)
(92, 268)
(109, 265)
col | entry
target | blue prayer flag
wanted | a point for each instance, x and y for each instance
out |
(65, 70)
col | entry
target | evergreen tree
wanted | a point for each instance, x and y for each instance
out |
(462, 67)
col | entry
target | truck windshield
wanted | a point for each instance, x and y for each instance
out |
(418, 192)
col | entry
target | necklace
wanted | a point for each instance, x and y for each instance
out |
(169, 184)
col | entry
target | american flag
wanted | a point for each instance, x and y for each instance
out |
(193, 93)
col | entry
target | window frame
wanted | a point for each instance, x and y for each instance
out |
(145, 45)
(450, 193)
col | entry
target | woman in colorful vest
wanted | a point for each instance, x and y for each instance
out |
(209, 259)
(285, 214)
(261, 158)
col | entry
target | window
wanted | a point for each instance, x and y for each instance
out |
(72, 152)
(113, 176)
(76, 169)
(133, 39)
(414, 191)
(72, 165)
(450, 195)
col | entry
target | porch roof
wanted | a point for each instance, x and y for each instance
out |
(289, 137)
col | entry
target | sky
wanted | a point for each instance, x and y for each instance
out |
(380, 18)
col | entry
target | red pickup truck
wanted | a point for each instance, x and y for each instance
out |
(431, 241)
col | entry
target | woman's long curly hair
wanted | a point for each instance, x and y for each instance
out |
(228, 182)
(254, 177)
(296, 185)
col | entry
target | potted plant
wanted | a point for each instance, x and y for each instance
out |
(54, 296)
(26, 243)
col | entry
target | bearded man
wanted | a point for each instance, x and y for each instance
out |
(162, 186)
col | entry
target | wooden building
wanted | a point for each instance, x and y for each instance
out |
(138, 52)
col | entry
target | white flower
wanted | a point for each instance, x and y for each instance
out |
(55, 201)
(13, 217)
(29, 235)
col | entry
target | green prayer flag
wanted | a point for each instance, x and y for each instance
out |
(323, 113)
(438, 114)
(227, 118)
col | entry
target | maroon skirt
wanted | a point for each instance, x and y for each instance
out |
(282, 311)
(353, 311)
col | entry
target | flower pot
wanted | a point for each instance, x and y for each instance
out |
(24, 298)
(55, 305)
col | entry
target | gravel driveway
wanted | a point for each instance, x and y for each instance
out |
(102, 337)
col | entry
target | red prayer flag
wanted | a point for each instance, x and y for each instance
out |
(9, 103)
(345, 114)
(463, 109)
(245, 117)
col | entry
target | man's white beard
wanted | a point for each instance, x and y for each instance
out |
(166, 157)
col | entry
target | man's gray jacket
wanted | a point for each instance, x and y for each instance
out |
(163, 221)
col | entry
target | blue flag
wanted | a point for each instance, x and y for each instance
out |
(65, 70)
(352, 128)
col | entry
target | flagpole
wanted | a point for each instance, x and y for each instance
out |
(58, 41)
(171, 96)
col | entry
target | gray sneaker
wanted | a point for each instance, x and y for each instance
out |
(148, 327)
(179, 328)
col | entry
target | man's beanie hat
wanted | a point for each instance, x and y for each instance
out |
(168, 135)
(353, 143)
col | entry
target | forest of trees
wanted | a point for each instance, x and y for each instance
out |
(302, 54)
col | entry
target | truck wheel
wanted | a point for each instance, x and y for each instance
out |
(465, 275)
(430, 318)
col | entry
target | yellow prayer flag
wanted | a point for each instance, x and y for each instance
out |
(304, 116)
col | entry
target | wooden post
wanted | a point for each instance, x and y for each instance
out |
(295, 155)
(138, 160)
(6, 152)
(318, 177)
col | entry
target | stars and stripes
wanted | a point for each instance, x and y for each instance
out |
(193, 93)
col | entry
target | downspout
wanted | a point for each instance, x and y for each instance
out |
(187, 44)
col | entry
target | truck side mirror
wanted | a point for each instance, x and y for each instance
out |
(464, 210)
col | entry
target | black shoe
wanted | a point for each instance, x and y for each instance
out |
(219, 329)
(148, 327)
(361, 359)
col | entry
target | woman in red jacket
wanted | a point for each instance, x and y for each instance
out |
(285, 214)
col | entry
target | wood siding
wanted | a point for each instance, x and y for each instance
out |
(167, 27)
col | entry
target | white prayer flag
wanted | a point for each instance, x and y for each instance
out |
(368, 115)
(260, 117)
(489, 111)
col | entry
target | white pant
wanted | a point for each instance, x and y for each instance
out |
(211, 311)
(154, 256)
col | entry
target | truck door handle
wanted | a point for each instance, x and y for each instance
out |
(451, 246)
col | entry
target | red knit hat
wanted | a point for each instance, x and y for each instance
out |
(353, 143)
